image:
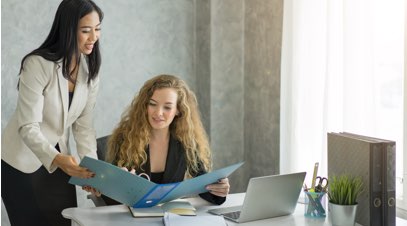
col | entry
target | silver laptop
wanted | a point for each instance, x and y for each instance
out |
(266, 197)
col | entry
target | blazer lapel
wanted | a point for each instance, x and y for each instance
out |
(80, 87)
(63, 88)
(175, 165)
(146, 168)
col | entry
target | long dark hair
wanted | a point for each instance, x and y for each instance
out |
(62, 43)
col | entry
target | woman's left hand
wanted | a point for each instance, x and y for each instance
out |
(219, 189)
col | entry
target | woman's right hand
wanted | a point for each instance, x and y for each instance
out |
(91, 190)
(69, 165)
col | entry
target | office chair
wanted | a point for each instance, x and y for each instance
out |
(101, 146)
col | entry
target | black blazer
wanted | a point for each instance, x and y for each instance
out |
(175, 169)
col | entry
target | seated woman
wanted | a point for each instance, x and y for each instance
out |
(161, 135)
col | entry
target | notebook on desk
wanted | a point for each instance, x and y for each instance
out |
(266, 197)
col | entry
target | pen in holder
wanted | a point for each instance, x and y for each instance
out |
(315, 204)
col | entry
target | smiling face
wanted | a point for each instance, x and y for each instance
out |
(88, 32)
(162, 108)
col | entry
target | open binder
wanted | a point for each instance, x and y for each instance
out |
(139, 192)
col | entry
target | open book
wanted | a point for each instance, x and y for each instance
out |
(179, 206)
(138, 192)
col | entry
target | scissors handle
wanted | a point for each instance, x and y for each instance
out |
(321, 185)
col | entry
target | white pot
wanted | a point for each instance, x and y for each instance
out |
(342, 215)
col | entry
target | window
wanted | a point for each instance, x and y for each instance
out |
(342, 70)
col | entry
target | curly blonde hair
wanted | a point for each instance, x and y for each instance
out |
(129, 140)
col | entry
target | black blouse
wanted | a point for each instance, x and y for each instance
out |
(157, 177)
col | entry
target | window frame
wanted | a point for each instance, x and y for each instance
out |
(401, 202)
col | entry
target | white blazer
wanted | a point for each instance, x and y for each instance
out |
(41, 119)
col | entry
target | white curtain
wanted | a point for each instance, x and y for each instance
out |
(342, 70)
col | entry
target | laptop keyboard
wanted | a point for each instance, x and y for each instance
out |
(233, 215)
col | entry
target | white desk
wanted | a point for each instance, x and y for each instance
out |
(119, 215)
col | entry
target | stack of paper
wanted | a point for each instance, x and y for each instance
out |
(171, 219)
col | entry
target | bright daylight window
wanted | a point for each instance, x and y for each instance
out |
(342, 69)
(388, 72)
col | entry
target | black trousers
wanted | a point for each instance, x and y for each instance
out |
(37, 198)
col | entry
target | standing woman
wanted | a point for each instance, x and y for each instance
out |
(57, 89)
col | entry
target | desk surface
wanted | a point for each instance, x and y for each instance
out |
(119, 215)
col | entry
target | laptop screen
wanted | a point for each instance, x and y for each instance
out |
(266, 197)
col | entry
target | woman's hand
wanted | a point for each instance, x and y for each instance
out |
(91, 190)
(219, 189)
(69, 165)
(132, 171)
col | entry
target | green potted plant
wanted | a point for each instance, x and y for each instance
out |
(343, 192)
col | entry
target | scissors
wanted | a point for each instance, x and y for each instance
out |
(321, 184)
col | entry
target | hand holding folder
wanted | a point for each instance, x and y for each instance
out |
(138, 192)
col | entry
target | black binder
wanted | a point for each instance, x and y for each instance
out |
(374, 160)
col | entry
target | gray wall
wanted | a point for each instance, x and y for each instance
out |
(262, 59)
(228, 51)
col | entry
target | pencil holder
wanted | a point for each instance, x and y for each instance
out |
(315, 204)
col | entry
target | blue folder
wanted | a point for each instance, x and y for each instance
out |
(139, 192)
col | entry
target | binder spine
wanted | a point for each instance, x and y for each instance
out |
(389, 193)
(376, 186)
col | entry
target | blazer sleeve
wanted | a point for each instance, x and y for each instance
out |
(209, 196)
(33, 80)
(213, 198)
(82, 129)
